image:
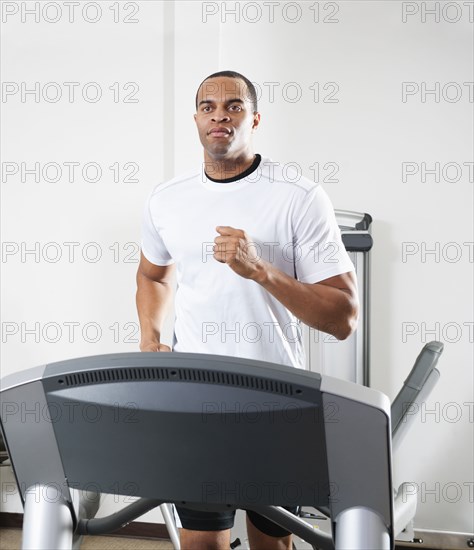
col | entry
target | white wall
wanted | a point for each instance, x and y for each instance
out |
(367, 50)
(76, 305)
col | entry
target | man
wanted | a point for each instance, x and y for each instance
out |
(257, 250)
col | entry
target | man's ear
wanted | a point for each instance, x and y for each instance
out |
(256, 121)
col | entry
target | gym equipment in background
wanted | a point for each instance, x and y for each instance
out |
(347, 359)
(185, 419)
(171, 427)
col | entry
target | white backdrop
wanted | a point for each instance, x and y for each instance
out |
(373, 98)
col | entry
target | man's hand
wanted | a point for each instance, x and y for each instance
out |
(331, 305)
(154, 347)
(235, 248)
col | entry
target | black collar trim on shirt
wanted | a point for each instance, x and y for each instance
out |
(244, 174)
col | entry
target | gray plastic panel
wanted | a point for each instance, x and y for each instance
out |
(356, 392)
(31, 441)
(194, 361)
(21, 377)
(359, 456)
(359, 221)
(192, 416)
(357, 242)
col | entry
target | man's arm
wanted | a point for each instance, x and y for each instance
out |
(331, 305)
(154, 296)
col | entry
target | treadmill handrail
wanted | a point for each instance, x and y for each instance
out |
(424, 365)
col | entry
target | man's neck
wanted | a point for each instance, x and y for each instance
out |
(221, 169)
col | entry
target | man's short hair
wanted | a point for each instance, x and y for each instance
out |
(252, 93)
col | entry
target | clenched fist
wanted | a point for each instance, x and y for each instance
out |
(235, 248)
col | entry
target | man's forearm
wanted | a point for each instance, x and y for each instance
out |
(321, 306)
(153, 301)
(330, 306)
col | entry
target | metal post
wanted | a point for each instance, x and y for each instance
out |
(361, 529)
(171, 525)
(47, 521)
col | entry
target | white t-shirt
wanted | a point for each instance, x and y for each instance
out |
(292, 223)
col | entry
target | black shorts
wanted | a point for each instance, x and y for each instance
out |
(197, 520)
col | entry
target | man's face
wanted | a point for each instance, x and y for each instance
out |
(225, 117)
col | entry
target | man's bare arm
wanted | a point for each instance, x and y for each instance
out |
(331, 305)
(154, 298)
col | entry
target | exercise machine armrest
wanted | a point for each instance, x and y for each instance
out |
(418, 385)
